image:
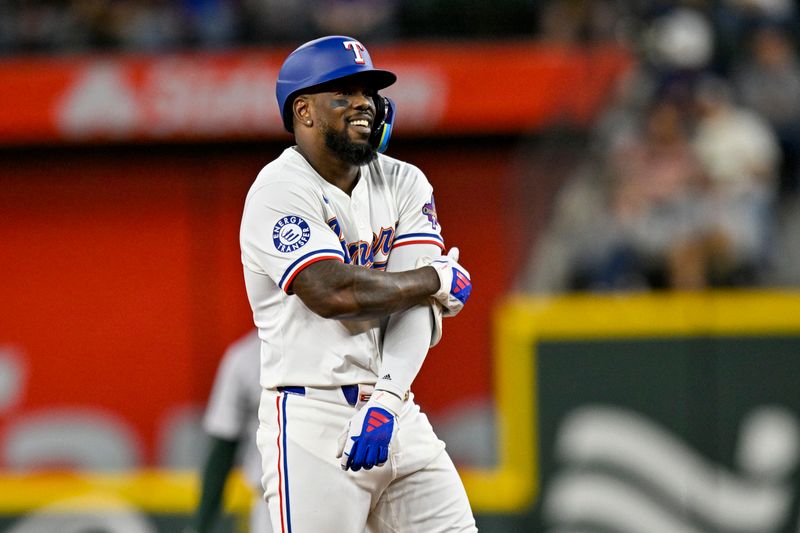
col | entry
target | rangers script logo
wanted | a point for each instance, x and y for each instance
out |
(429, 210)
(290, 233)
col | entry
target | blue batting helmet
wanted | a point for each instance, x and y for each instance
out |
(323, 60)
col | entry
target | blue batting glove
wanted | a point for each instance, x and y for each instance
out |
(366, 440)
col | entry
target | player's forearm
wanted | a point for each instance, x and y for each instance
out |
(408, 333)
(405, 346)
(335, 290)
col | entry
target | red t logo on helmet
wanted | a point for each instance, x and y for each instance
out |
(357, 48)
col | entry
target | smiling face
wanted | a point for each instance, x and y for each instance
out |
(343, 116)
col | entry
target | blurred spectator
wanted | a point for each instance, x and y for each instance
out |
(680, 39)
(211, 23)
(740, 155)
(581, 22)
(768, 81)
(94, 24)
(620, 122)
(577, 238)
(671, 198)
(677, 29)
(573, 252)
(370, 20)
(52, 27)
(735, 19)
(766, 9)
(678, 47)
(471, 19)
(40, 26)
(658, 208)
(655, 204)
(7, 28)
(277, 21)
(144, 25)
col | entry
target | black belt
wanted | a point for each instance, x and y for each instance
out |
(350, 392)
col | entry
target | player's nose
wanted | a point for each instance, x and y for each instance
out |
(361, 100)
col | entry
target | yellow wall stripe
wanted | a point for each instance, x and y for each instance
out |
(155, 491)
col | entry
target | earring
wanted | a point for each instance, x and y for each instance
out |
(308, 122)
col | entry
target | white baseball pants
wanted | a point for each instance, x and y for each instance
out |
(417, 491)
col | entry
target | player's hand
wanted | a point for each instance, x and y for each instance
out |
(456, 285)
(366, 438)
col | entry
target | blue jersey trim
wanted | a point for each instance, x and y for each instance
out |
(413, 235)
(286, 468)
(303, 258)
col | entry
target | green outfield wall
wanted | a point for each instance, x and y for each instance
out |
(647, 413)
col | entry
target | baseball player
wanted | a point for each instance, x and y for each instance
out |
(231, 420)
(343, 264)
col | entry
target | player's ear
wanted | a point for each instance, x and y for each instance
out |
(301, 110)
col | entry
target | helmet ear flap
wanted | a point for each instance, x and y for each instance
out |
(384, 120)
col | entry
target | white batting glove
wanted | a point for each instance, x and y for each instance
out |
(365, 440)
(456, 285)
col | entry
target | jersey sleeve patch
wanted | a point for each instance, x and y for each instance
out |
(290, 233)
(304, 261)
(418, 238)
(429, 210)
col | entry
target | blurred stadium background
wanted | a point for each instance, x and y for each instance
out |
(622, 179)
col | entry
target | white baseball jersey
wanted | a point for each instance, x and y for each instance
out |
(292, 218)
(232, 412)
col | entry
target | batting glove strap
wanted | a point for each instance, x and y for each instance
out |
(389, 395)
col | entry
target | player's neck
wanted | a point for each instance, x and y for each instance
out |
(331, 168)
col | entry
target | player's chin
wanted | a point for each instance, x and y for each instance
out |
(359, 153)
(357, 137)
(354, 151)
